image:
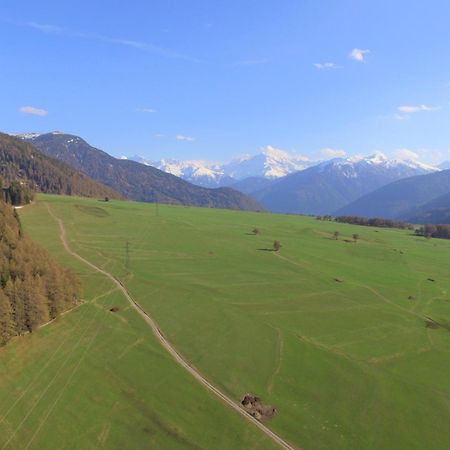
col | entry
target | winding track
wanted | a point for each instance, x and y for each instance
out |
(166, 344)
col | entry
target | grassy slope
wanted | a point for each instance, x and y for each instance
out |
(349, 365)
(94, 379)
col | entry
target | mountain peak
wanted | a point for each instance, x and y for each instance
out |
(274, 152)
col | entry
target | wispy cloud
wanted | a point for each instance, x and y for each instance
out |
(431, 156)
(404, 153)
(146, 110)
(333, 153)
(409, 109)
(326, 66)
(45, 28)
(181, 137)
(358, 54)
(33, 111)
(139, 45)
(400, 117)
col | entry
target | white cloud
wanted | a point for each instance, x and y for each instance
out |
(404, 153)
(409, 109)
(33, 111)
(358, 54)
(146, 110)
(333, 153)
(326, 66)
(180, 137)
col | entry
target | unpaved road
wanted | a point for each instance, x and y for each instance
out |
(167, 345)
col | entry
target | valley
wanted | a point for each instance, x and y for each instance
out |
(340, 361)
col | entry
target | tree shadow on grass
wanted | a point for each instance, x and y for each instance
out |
(266, 249)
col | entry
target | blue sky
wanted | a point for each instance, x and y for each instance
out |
(213, 79)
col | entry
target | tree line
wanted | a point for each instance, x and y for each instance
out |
(33, 288)
(369, 222)
(434, 231)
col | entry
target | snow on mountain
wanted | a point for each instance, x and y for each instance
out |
(202, 173)
(270, 163)
(356, 166)
(25, 136)
(331, 185)
(445, 165)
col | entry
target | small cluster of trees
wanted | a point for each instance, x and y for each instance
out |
(33, 288)
(276, 244)
(434, 231)
(15, 193)
(354, 236)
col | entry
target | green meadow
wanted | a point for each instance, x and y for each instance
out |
(350, 341)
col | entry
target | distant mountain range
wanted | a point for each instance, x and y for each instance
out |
(133, 180)
(283, 182)
(20, 161)
(406, 199)
(271, 163)
(329, 186)
(373, 186)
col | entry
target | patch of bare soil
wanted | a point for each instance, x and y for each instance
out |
(256, 408)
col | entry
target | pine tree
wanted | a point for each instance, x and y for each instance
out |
(35, 302)
(7, 329)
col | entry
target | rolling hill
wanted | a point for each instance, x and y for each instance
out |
(399, 200)
(133, 180)
(20, 161)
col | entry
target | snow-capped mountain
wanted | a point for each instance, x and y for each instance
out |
(270, 163)
(202, 173)
(329, 186)
(355, 166)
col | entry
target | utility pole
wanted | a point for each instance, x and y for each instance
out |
(127, 255)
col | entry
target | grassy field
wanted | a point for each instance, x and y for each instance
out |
(332, 333)
(99, 380)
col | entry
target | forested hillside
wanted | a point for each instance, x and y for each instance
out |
(21, 162)
(33, 288)
(137, 181)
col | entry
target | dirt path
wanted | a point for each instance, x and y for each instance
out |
(166, 344)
